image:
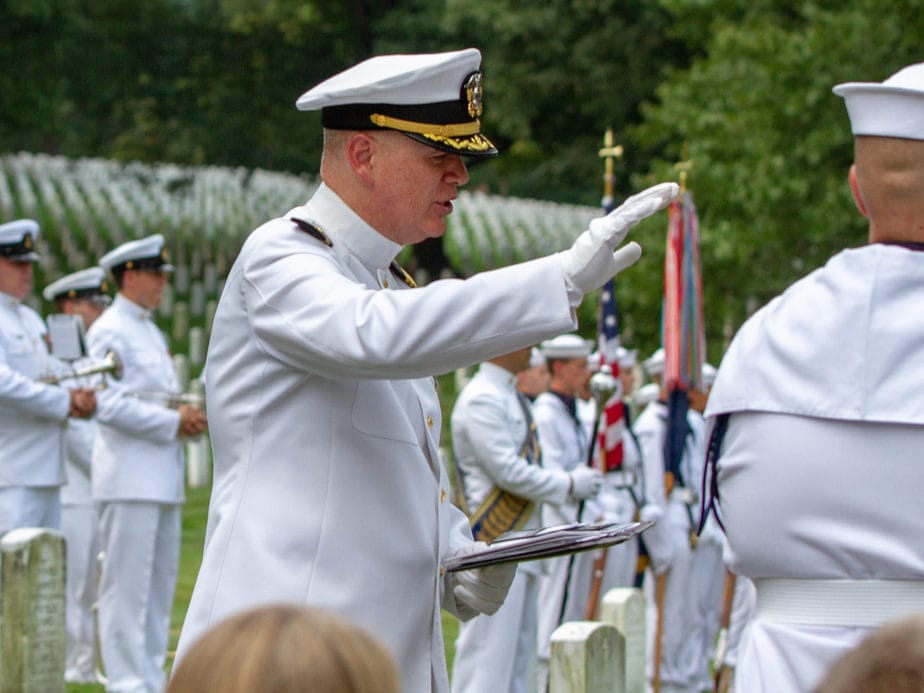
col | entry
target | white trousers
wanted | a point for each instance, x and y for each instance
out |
(29, 506)
(79, 524)
(680, 647)
(141, 542)
(498, 652)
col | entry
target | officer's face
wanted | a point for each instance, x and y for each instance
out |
(15, 278)
(145, 287)
(414, 187)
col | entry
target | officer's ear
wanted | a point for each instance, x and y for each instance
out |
(360, 150)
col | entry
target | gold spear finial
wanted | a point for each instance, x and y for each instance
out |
(684, 165)
(608, 153)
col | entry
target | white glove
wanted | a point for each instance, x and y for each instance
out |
(585, 482)
(591, 261)
(481, 590)
(650, 513)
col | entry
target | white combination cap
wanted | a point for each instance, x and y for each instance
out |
(145, 253)
(434, 98)
(566, 346)
(87, 283)
(536, 358)
(17, 240)
(654, 364)
(893, 108)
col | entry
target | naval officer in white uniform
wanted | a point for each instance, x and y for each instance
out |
(33, 415)
(819, 473)
(138, 464)
(83, 294)
(329, 489)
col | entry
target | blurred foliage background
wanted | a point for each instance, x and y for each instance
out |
(741, 88)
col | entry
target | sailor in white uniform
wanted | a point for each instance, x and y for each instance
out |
(82, 294)
(820, 393)
(33, 415)
(138, 464)
(670, 543)
(564, 586)
(498, 457)
(325, 422)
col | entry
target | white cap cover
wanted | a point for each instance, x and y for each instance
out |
(893, 108)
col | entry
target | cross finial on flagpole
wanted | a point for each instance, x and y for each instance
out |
(608, 153)
(684, 165)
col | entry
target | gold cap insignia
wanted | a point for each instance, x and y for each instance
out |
(474, 93)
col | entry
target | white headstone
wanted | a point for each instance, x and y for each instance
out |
(33, 639)
(624, 608)
(196, 345)
(586, 657)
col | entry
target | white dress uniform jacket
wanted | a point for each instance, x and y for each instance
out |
(489, 428)
(137, 454)
(32, 415)
(668, 543)
(820, 470)
(329, 489)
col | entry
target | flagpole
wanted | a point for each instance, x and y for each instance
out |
(683, 354)
(609, 152)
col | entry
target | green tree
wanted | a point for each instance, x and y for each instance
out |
(769, 142)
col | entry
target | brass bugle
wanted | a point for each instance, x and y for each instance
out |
(111, 364)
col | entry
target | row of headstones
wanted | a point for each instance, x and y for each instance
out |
(586, 656)
(605, 655)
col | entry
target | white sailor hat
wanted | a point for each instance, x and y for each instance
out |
(17, 240)
(566, 346)
(627, 357)
(654, 364)
(536, 358)
(647, 394)
(893, 108)
(87, 283)
(434, 98)
(145, 253)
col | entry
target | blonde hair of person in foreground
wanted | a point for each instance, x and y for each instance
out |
(283, 648)
(888, 660)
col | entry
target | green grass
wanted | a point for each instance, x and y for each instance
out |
(195, 513)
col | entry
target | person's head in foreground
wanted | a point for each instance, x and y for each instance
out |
(285, 649)
(888, 660)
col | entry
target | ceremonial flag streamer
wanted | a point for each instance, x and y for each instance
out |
(612, 420)
(683, 328)
(613, 417)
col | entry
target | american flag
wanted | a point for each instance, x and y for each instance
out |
(613, 417)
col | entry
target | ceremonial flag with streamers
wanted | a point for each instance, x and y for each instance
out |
(613, 416)
(683, 328)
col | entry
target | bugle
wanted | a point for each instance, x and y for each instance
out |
(111, 364)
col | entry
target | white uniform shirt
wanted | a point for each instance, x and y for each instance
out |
(564, 447)
(488, 432)
(820, 471)
(136, 454)
(325, 426)
(673, 516)
(32, 415)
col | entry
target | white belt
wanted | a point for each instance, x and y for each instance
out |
(623, 479)
(685, 495)
(837, 602)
